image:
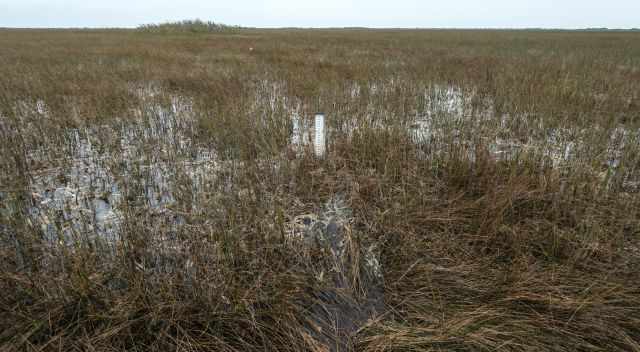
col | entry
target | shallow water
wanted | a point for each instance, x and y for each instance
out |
(78, 188)
(86, 180)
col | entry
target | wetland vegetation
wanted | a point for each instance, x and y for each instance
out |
(159, 191)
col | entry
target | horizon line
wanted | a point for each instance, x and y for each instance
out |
(238, 27)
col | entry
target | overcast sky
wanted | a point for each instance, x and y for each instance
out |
(326, 13)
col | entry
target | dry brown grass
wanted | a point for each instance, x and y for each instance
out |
(478, 253)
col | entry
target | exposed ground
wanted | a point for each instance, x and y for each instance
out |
(480, 191)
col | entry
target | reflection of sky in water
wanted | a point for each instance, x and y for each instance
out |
(84, 192)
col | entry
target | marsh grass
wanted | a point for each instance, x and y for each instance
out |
(496, 172)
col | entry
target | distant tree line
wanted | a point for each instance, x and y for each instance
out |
(605, 29)
(187, 26)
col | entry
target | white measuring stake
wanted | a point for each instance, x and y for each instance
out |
(319, 142)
